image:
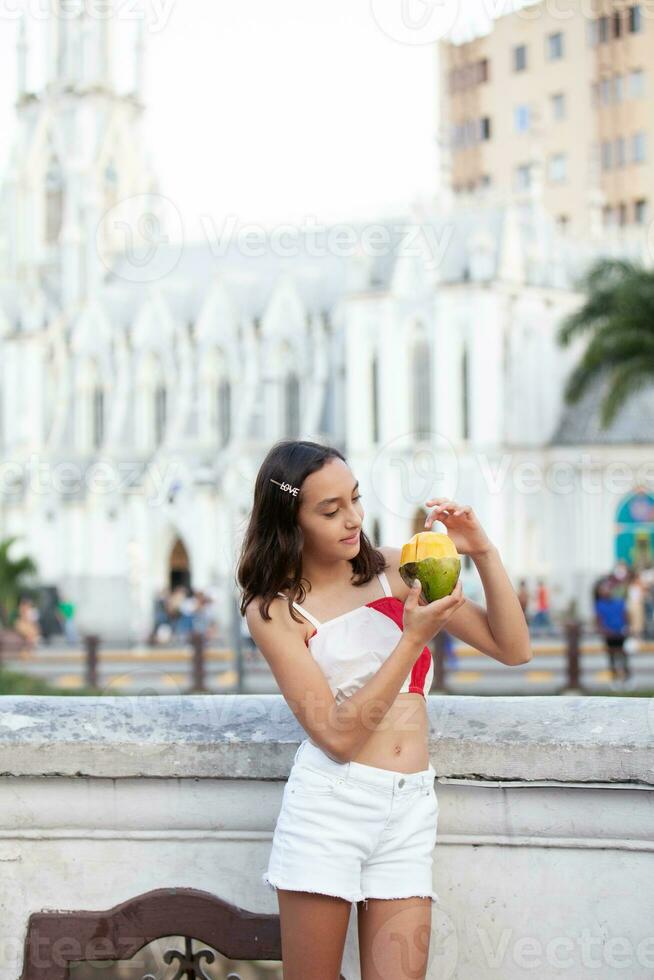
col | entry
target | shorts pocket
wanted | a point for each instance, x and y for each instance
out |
(433, 798)
(310, 782)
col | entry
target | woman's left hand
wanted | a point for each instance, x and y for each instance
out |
(462, 525)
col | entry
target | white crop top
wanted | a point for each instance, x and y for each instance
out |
(351, 647)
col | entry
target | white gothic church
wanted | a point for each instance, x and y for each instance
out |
(139, 390)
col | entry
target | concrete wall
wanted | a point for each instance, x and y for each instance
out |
(544, 861)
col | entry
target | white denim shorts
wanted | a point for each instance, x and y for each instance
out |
(354, 831)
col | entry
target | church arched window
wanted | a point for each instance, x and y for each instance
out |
(374, 396)
(110, 185)
(465, 394)
(50, 385)
(223, 408)
(291, 405)
(54, 201)
(160, 413)
(98, 416)
(421, 387)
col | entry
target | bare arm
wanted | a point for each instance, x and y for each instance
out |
(501, 630)
(471, 623)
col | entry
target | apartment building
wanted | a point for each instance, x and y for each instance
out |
(556, 104)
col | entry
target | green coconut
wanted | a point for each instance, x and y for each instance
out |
(432, 558)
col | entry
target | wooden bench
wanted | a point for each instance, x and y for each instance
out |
(54, 940)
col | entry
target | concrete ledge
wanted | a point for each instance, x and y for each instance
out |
(509, 739)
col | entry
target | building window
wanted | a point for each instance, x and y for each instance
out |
(640, 211)
(636, 83)
(635, 19)
(520, 57)
(521, 118)
(98, 417)
(485, 180)
(622, 213)
(374, 393)
(638, 147)
(523, 177)
(607, 214)
(607, 155)
(291, 406)
(558, 105)
(620, 152)
(223, 411)
(603, 29)
(483, 70)
(557, 169)
(54, 201)
(618, 88)
(617, 23)
(421, 389)
(555, 46)
(160, 406)
(484, 128)
(465, 395)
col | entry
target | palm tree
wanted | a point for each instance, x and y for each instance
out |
(618, 313)
(12, 574)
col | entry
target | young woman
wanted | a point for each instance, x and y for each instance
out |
(359, 810)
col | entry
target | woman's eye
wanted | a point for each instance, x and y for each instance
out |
(336, 511)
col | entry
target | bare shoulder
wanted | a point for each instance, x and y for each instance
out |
(280, 619)
(398, 586)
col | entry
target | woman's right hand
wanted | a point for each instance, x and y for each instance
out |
(423, 620)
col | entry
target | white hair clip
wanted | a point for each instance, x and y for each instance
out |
(286, 486)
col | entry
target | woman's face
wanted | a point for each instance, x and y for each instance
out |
(330, 511)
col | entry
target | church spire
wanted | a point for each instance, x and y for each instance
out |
(79, 46)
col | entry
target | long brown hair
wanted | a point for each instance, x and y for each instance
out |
(271, 554)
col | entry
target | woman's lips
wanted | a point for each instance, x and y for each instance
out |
(352, 540)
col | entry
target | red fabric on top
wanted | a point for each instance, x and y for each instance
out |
(393, 607)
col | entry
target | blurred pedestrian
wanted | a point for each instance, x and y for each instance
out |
(611, 621)
(636, 604)
(647, 578)
(187, 610)
(524, 597)
(541, 618)
(26, 624)
(66, 615)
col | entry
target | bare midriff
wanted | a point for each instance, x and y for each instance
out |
(399, 742)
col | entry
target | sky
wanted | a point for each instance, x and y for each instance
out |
(321, 109)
